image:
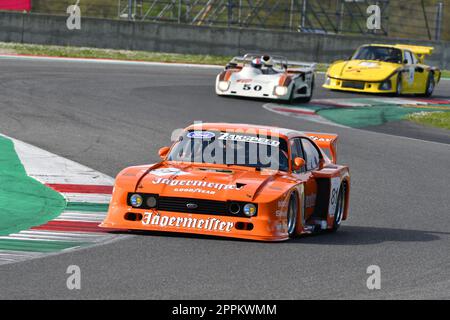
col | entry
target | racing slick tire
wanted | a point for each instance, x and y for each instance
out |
(291, 96)
(308, 98)
(430, 85)
(340, 208)
(292, 215)
(399, 85)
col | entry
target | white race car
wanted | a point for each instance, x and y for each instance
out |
(267, 77)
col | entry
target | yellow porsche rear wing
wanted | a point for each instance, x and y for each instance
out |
(420, 51)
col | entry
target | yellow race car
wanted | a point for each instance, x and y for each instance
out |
(379, 68)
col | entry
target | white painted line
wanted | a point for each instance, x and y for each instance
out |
(59, 233)
(87, 197)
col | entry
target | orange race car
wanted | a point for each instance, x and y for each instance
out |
(236, 180)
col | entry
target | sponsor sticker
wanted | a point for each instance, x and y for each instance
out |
(168, 172)
(251, 139)
(201, 135)
(369, 64)
(316, 138)
(209, 224)
(196, 183)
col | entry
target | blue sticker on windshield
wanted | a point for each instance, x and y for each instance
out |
(201, 135)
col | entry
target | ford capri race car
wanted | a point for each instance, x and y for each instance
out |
(379, 68)
(267, 77)
(236, 180)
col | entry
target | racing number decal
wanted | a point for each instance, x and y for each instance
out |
(334, 192)
(248, 87)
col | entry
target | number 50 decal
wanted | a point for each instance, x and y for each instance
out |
(248, 87)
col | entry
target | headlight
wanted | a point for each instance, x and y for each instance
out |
(136, 200)
(328, 81)
(281, 90)
(249, 210)
(387, 85)
(151, 201)
(224, 85)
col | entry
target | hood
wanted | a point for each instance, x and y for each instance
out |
(362, 70)
(196, 181)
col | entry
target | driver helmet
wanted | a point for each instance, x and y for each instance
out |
(268, 62)
(257, 63)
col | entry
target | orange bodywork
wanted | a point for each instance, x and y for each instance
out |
(199, 197)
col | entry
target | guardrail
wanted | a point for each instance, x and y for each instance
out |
(180, 38)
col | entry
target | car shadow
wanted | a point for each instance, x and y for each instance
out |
(361, 235)
(346, 236)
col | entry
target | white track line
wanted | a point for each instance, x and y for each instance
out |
(86, 197)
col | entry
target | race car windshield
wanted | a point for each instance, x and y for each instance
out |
(386, 54)
(230, 148)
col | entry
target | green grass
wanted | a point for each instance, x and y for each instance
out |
(446, 74)
(81, 52)
(432, 119)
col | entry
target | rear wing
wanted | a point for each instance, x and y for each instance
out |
(420, 51)
(279, 61)
(327, 142)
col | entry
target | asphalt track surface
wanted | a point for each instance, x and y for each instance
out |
(111, 116)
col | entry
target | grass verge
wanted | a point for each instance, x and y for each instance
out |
(82, 52)
(432, 119)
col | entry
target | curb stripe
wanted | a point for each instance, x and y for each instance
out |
(88, 197)
(37, 245)
(79, 188)
(80, 226)
(311, 113)
(87, 207)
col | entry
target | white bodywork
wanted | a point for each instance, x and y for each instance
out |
(247, 81)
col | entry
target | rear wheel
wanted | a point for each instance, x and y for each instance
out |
(340, 208)
(292, 215)
(430, 85)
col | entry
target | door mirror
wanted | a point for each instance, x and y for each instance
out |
(405, 61)
(163, 152)
(298, 163)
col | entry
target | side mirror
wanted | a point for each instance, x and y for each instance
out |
(163, 152)
(298, 163)
(405, 61)
(321, 164)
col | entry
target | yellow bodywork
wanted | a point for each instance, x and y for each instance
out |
(374, 76)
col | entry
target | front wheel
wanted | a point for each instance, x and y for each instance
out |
(340, 208)
(292, 215)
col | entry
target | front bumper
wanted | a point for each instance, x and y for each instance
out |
(359, 86)
(263, 227)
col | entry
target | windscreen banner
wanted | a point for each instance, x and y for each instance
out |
(18, 5)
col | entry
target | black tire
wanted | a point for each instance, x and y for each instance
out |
(430, 85)
(308, 98)
(292, 215)
(291, 97)
(399, 85)
(340, 208)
